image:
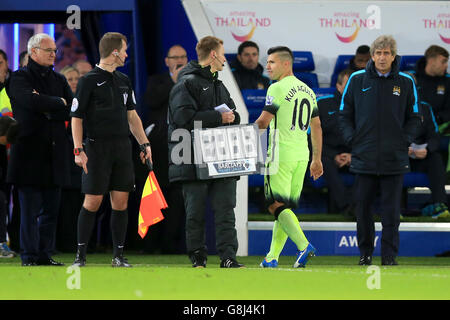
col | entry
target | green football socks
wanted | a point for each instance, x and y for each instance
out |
(279, 238)
(290, 224)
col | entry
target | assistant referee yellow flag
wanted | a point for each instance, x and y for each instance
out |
(152, 202)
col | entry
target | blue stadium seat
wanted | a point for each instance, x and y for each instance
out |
(253, 114)
(309, 78)
(415, 179)
(256, 180)
(254, 97)
(409, 62)
(320, 92)
(342, 63)
(303, 61)
(230, 56)
(303, 65)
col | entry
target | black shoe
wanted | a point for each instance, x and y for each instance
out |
(365, 260)
(80, 260)
(388, 261)
(198, 259)
(49, 262)
(120, 262)
(231, 263)
(29, 264)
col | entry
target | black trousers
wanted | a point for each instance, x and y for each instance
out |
(390, 187)
(338, 193)
(38, 218)
(222, 193)
(433, 166)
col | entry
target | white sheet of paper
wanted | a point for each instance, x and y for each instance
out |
(417, 147)
(222, 108)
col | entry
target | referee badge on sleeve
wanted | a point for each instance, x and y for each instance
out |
(269, 100)
(125, 98)
(74, 105)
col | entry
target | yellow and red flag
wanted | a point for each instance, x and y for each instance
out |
(152, 202)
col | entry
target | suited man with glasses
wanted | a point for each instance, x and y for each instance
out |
(168, 234)
(40, 159)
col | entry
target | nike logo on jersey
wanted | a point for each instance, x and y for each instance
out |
(204, 89)
(100, 84)
(365, 89)
(331, 112)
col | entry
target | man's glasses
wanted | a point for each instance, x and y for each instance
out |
(48, 50)
(177, 57)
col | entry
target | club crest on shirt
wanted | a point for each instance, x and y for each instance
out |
(396, 91)
(74, 105)
(440, 90)
(260, 85)
(269, 100)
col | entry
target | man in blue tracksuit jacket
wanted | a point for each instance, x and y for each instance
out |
(379, 118)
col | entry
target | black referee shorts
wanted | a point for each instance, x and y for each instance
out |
(110, 166)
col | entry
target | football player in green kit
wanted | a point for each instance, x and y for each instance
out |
(290, 110)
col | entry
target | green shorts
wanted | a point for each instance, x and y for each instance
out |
(283, 182)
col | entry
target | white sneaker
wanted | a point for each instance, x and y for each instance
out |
(5, 251)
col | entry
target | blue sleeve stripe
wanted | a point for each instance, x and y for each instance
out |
(345, 90)
(415, 107)
(436, 128)
(325, 97)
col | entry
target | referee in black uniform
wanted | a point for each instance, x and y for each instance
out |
(104, 105)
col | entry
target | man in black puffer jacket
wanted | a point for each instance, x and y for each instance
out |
(193, 98)
(379, 119)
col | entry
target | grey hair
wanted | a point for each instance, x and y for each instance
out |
(382, 42)
(35, 41)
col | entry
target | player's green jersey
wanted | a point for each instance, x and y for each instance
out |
(293, 104)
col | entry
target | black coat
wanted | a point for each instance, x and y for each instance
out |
(333, 142)
(435, 91)
(379, 118)
(193, 98)
(428, 130)
(157, 103)
(41, 155)
(249, 79)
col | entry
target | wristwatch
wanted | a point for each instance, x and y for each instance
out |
(77, 151)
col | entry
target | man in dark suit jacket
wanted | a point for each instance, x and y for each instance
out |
(168, 235)
(39, 161)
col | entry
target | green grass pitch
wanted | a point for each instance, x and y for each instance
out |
(171, 277)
